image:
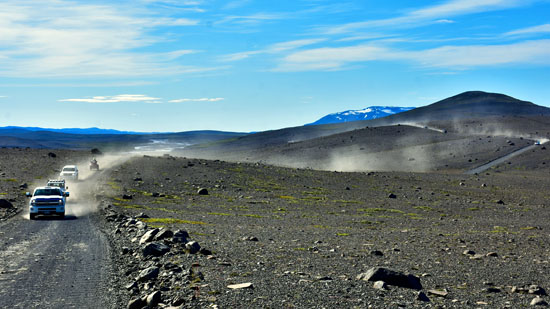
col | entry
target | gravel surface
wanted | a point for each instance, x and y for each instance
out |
(197, 233)
(300, 238)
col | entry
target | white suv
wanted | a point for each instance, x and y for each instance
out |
(69, 172)
(47, 201)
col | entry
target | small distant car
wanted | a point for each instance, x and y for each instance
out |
(69, 172)
(537, 142)
(47, 201)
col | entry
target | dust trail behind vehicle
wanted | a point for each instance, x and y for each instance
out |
(81, 200)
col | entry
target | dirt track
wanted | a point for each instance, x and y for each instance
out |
(52, 262)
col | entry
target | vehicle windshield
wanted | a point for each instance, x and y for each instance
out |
(55, 184)
(48, 192)
(69, 169)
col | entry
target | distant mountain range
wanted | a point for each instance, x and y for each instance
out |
(373, 112)
(84, 131)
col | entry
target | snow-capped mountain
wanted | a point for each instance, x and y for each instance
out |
(372, 112)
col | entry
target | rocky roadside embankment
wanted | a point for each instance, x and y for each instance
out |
(159, 267)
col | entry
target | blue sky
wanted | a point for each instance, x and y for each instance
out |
(244, 65)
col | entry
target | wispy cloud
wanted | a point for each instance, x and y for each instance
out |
(252, 19)
(432, 14)
(449, 57)
(235, 4)
(197, 100)
(116, 99)
(61, 38)
(272, 49)
(530, 30)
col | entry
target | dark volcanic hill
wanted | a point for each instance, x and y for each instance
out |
(472, 104)
(457, 133)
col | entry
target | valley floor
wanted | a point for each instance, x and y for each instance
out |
(301, 236)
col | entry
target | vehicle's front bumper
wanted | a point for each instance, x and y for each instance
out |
(47, 210)
(68, 176)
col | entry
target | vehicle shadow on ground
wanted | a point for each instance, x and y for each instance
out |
(56, 218)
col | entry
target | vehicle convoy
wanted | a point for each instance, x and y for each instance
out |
(47, 201)
(69, 172)
(94, 165)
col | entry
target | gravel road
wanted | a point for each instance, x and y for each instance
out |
(58, 263)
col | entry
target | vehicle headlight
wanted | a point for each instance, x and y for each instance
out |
(60, 202)
(33, 202)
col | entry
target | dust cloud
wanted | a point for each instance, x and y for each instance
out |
(81, 200)
(409, 159)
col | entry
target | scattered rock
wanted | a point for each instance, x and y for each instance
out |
(142, 215)
(493, 290)
(131, 286)
(380, 285)
(250, 238)
(440, 293)
(127, 197)
(136, 303)
(468, 252)
(536, 290)
(477, 256)
(153, 299)
(148, 274)
(155, 249)
(376, 253)
(148, 236)
(138, 179)
(163, 234)
(492, 254)
(538, 301)
(500, 202)
(247, 285)
(180, 236)
(391, 195)
(96, 151)
(52, 155)
(391, 277)
(23, 186)
(5, 204)
(202, 191)
(192, 247)
(422, 296)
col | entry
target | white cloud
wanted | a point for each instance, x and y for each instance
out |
(197, 100)
(116, 99)
(450, 57)
(54, 38)
(531, 30)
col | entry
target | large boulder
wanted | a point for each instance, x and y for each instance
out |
(391, 277)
